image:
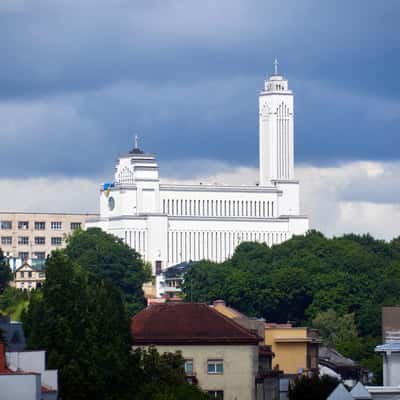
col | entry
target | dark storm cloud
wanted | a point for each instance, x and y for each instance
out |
(77, 78)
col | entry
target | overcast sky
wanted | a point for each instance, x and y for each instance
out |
(78, 78)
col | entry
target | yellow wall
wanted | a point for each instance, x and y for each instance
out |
(290, 356)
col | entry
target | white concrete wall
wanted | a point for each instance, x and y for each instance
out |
(391, 369)
(33, 361)
(20, 387)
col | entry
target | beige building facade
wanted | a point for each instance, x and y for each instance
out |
(32, 236)
(27, 277)
(223, 371)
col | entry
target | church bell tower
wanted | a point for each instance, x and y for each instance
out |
(276, 127)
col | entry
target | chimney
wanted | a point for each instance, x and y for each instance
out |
(3, 365)
(218, 302)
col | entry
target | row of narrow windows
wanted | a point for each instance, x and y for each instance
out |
(136, 240)
(219, 208)
(214, 245)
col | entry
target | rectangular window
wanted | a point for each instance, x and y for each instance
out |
(6, 240)
(23, 255)
(216, 394)
(29, 274)
(39, 255)
(40, 225)
(23, 240)
(188, 367)
(215, 366)
(40, 240)
(22, 274)
(23, 224)
(75, 225)
(158, 267)
(56, 225)
(56, 241)
(6, 225)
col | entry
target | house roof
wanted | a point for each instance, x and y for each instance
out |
(340, 393)
(187, 323)
(359, 392)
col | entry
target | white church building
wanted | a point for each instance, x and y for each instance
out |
(172, 223)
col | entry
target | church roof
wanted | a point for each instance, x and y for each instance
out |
(187, 323)
(136, 150)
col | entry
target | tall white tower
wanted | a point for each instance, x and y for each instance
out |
(276, 130)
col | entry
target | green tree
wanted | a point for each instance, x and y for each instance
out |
(312, 388)
(5, 272)
(81, 321)
(109, 258)
(335, 329)
(162, 377)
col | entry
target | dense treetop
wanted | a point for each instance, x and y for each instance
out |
(297, 280)
(111, 259)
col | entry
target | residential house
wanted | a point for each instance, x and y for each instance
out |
(28, 277)
(220, 355)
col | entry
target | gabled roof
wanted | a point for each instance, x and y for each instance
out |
(187, 323)
(359, 392)
(340, 393)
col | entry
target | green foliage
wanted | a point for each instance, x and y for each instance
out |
(313, 388)
(13, 302)
(80, 320)
(335, 329)
(304, 278)
(111, 259)
(5, 273)
(163, 377)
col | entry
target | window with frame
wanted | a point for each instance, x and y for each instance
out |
(23, 255)
(215, 366)
(6, 225)
(216, 394)
(75, 225)
(22, 274)
(6, 240)
(56, 241)
(40, 225)
(40, 240)
(56, 225)
(40, 255)
(23, 224)
(188, 366)
(23, 240)
(29, 274)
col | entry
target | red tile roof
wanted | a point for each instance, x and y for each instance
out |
(187, 323)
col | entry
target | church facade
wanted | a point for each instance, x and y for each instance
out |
(170, 223)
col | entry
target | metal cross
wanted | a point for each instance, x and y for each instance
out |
(276, 66)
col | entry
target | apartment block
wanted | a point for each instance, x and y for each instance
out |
(32, 236)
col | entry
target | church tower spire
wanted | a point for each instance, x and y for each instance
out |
(276, 130)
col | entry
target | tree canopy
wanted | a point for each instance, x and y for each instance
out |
(5, 273)
(109, 258)
(79, 318)
(305, 276)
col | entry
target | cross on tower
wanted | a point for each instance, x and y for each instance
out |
(276, 66)
(136, 142)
